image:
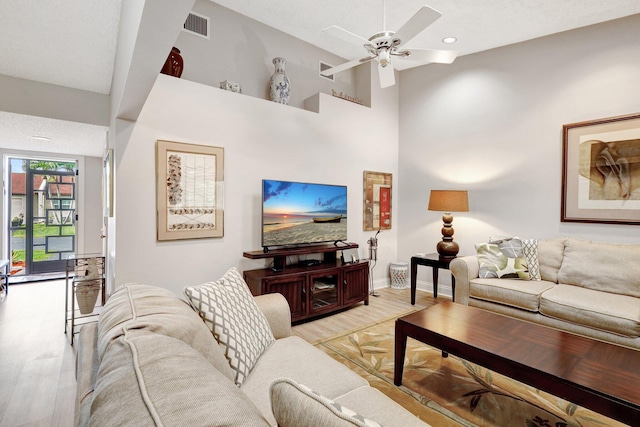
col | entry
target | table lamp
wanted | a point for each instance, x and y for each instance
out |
(448, 201)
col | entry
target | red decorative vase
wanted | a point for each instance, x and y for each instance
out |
(174, 63)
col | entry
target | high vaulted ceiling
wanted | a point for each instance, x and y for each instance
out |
(72, 43)
(477, 24)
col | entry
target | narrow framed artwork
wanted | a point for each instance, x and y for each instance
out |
(377, 187)
(601, 171)
(189, 190)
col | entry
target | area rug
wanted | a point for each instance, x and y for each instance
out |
(451, 391)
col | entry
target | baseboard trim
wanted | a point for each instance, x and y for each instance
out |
(444, 289)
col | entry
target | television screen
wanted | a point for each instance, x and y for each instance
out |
(295, 213)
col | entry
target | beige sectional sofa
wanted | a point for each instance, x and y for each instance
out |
(588, 288)
(151, 360)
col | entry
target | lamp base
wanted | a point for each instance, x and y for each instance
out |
(447, 248)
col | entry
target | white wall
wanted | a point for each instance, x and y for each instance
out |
(241, 50)
(261, 140)
(492, 123)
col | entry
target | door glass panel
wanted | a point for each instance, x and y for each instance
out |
(56, 244)
(60, 191)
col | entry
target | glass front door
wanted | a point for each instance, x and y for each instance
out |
(43, 232)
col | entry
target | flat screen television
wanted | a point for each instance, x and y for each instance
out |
(297, 213)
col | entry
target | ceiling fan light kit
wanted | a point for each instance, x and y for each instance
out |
(384, 45)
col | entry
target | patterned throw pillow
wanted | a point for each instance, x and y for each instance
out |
(530, 250)
(502, 258)
(295, 405)
(230, 312)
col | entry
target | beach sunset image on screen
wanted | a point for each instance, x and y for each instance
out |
(296, 213)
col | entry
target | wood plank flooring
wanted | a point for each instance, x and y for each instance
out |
(37, 363)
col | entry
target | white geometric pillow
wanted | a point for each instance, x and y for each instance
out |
(295, 405)
(231, 313)
(530, 251)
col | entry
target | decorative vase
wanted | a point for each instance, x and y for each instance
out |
(174, 64)
(279, 87)
(87, 295)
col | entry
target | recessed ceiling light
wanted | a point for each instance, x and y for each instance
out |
(41, 138)
(449, 40)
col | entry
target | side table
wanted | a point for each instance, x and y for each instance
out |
(435, 262)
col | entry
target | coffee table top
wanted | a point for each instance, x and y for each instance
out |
(553, 360)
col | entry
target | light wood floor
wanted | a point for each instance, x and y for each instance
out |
(37, 362)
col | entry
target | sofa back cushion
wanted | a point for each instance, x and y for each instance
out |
(608, 267)
(550, 254)
(150, 379)
(138, 306)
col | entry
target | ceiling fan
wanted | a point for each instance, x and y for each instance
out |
(384, 45)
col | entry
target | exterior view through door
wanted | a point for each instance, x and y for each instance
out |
(42, 215)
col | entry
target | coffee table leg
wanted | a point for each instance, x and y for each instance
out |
(400, 351)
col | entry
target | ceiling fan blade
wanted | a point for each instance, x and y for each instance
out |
(345, 35)
(428, 55)
(334, 70)
(387, 76)
(418, 22)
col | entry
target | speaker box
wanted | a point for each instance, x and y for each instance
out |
(350, 256)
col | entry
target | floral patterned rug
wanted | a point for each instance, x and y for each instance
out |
(451, 391)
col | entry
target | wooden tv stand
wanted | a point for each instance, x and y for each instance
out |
(314, 290)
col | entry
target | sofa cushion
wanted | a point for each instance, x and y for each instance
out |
(295, 405)
(524, 294)
(550, 254)
(607, 267)
(151, 379)
(298, 360)
(502, 258)
(231, 313)
(618, 314)
(158, 310)
(373, 404)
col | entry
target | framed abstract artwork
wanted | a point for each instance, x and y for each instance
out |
(377, 201)
(189, 191)
(601, 171)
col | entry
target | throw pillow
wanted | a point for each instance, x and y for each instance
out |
(295, 405)
(530, 250)
(231, 313)
(502, 258)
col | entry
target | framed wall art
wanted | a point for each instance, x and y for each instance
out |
(377, 201)
(189, 191)
(601, 171)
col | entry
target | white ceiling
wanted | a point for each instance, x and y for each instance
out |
(72, 43)
(477, 24)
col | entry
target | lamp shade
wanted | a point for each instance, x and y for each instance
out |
(449, 201)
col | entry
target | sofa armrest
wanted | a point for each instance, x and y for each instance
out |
(276, 309)
(464, 269)
(86, 371)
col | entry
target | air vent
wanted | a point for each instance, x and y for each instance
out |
(197, 24)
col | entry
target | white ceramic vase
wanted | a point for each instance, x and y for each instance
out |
(279, 87)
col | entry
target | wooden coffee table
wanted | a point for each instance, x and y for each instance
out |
(596, 375)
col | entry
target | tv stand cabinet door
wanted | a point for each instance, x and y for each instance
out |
(293, 288)
(355, 284)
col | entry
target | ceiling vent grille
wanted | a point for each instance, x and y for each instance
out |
(197, 24)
